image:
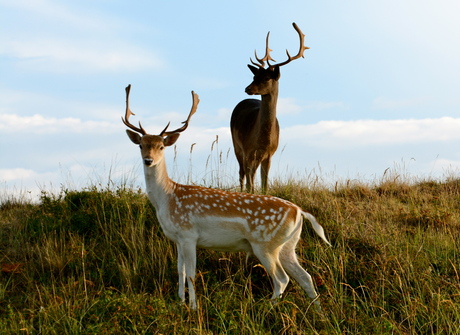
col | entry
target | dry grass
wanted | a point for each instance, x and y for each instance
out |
(95, 261)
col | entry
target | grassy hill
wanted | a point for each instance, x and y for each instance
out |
(94, 261)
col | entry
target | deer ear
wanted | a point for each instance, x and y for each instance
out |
(171, 139)
(133, 136)
(276, 72)
(253, 69)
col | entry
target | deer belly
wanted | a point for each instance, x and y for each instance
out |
(223, 237)
(224, 243)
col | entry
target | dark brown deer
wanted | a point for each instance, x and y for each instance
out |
(254, 126)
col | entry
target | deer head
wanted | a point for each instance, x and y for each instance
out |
(266, 78)
(152, 146)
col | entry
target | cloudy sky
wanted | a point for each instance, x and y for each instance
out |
(377, 90)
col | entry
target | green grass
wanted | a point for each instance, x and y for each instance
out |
(94, 261)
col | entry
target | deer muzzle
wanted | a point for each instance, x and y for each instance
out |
(249, 90)
(148, 161)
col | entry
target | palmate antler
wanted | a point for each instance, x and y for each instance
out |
(142, 131)
(268, 58)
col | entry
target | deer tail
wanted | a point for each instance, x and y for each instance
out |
(316, 226)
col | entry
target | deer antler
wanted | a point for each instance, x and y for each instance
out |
(195, 102)
(302, 47)
(128, 113)
(267, 56)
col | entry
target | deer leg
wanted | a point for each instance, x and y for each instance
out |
(264, 168)
(242, 177)
(291, 264)
(250, 169)
(186, 265)
(189, 250)
(249, 172)
(270, 261)
(242, 171)
(250, 181)
(181, 271)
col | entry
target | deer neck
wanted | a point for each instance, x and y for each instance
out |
(267, 114)
(159, 185)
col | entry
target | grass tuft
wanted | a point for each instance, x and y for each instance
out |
(95, 261)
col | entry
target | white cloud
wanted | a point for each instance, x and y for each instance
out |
(446, 166)
(39, 124)
(224, 114)
(62, 56)
(18, 103)
(66, 40)
(16, 174)
(323, 105)
(288, 106)
(374, 132)
(204, 138)
(70, 15)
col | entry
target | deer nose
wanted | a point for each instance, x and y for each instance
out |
(148, 161)
(248, 90)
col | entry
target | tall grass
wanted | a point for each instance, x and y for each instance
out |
(95, 260)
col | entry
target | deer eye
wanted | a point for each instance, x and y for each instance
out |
(162, 147)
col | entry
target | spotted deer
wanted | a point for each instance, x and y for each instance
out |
(194, 216)
(254, 126)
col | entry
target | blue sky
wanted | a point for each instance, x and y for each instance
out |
(377, 89)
